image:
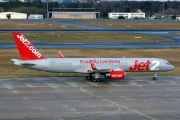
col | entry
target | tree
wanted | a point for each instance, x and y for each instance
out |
(127, 9)
(165, 6)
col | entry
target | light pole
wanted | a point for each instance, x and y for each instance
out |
(163, 10)
(47, 9)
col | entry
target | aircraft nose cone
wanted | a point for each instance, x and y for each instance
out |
(172, 67)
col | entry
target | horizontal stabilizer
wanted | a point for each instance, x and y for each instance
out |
(28, 64)
(22, 63)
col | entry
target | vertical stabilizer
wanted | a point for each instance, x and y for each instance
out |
(26, 50)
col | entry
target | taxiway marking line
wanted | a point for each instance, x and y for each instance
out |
(118, 105)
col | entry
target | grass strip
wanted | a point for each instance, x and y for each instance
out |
(85, 37)
(33, 25)
(8, 69)
(176, 33)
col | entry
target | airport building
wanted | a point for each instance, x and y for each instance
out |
(13, 15)
(116, 15)
(73, 13)
(35, 16)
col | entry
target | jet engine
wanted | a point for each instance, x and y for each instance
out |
(116, 74)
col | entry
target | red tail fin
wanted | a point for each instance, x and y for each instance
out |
(60, 54)
(26, 49)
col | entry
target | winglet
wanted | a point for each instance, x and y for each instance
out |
(60, 54)
(92, 65)
(26, 49)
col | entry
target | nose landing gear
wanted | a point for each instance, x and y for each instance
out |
(155, 76)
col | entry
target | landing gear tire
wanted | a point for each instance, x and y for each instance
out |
(154, 78)
(87, 77)
(91, 77)
(96, 80)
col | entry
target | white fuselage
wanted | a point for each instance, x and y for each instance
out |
(82, 65)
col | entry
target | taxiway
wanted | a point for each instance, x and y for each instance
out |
(74, 98)
(97, 44)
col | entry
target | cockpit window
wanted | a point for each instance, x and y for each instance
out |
(167, 63)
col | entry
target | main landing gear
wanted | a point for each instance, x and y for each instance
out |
(155, 76)
(90, 77)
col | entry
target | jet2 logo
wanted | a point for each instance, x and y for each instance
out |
(29, 45)
(145, 65)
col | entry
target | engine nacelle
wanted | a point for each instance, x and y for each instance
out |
(116, 74)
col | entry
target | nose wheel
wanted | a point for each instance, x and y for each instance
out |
(155, 76)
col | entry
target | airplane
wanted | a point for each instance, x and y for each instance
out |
(113, 68)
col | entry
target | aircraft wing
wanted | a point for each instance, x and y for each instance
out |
(99, 70)
(105, 70)
(102, 69)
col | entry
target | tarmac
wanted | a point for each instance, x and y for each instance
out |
(74, 98)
